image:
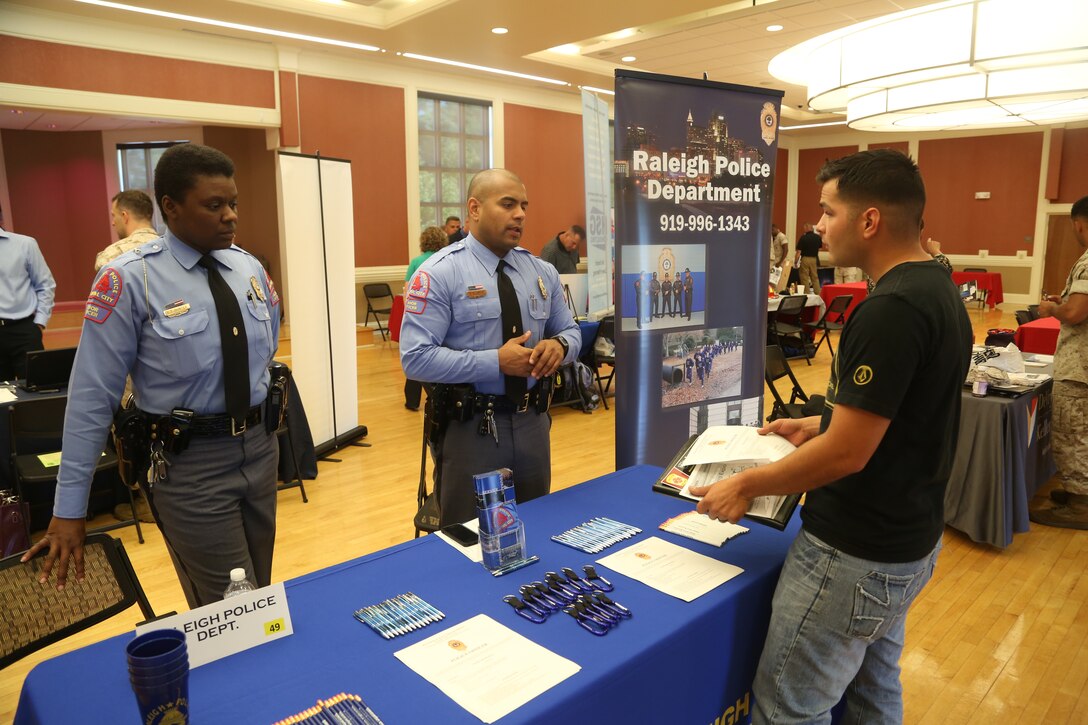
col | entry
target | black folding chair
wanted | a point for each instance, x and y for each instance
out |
(1023, 317)
(33, 616)
(786, 327)
(1033, 313)
(36, 427)
(379, 300)
(834, 318)
(606, 330)
(777, 368)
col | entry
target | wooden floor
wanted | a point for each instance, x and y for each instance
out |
(997, 636)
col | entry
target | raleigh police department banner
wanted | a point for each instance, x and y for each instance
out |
(694, 172)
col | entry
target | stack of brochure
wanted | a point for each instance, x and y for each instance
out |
(718, 453)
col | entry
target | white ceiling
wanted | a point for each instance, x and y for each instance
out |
(728, 41)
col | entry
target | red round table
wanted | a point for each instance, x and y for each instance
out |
(857, 290)
(988, 281)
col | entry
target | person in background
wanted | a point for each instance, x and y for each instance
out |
(26, 301)
(779, 246)
(808, 259)
(1068, 507)
(453, 230)
(130, 215)
(194, 319)
(430, 241)
(562, 251)
(875, 465)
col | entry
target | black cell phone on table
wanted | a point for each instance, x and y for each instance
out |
(462, 534)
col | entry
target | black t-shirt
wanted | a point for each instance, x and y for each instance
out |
(903, 355)
(809, 244)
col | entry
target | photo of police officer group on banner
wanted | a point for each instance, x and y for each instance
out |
(694, 173)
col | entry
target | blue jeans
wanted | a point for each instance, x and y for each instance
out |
(837, 626)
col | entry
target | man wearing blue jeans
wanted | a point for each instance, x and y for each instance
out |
(875, 464)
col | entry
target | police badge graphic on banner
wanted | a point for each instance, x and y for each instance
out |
(694, 176)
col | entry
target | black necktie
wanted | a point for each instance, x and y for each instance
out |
(511, 327)
(232, 336)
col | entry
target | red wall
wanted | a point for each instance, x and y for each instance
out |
(57, 186)
(544, 148)
(364, 124)
(1007, 166)
(782, 181)
(1073, 178)
(809, 163)
(255, 175)
(55, 65)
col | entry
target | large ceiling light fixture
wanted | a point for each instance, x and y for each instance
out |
(960, 64)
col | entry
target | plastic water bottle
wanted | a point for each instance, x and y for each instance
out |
(238, 584)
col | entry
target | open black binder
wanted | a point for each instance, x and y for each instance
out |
(675, 476)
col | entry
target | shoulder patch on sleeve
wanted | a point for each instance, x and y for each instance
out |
(107, 290)
(420, 286)
(96, 312)
(415, 305)
(274, 296)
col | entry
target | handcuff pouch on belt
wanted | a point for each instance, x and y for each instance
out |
(279, 383)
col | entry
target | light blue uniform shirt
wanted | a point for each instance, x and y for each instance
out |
(452, 328)
(151, 312)
(26, 284)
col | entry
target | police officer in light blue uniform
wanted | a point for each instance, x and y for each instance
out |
(453, 333)
(152, 314)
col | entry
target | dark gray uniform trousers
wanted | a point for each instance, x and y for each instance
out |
(217, 511)
(524, 447)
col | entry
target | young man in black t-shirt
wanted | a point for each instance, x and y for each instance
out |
(875, 464)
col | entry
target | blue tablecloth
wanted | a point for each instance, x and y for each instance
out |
(673, 662)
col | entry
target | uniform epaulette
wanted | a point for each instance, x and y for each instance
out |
(446, 251)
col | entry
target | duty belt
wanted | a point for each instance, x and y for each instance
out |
(210, 426)
(501, 404)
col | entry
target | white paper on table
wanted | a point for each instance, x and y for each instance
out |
(6, 396)
(474, 552)
(700, 527)
(485, 667)
(736, 443)
(671, 569)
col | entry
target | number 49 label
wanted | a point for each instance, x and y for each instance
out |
(273, 627)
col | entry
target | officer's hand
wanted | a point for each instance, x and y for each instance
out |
(546, 358)
(514, 356)
(1046, 307)
(722, 500)
(64, 538)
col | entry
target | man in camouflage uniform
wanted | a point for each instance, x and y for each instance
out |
(1068, 507)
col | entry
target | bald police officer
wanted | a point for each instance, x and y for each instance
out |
(454, 333)
(157, 312)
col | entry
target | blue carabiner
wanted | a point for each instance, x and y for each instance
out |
(596, 579)
(522, 610)
(576, 580)
(604, 601)
(590, 625)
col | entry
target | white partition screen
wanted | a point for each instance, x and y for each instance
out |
(318, 252)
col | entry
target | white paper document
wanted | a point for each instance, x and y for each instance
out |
(486, 668)
(6, 396)
(736, 444)
(474, 552)
(700, 527)
(671, 569)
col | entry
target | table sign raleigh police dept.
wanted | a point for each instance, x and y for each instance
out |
(223, 628)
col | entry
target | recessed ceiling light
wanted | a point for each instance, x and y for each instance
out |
(628, 59)
(773, 28)
(500, 31)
